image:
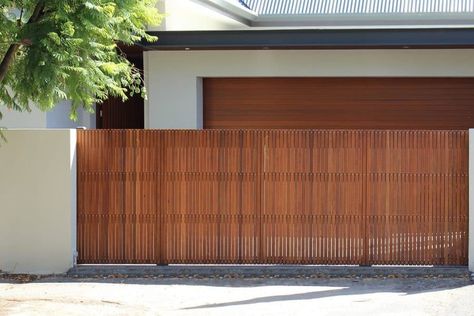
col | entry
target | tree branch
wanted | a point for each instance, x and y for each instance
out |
(37, 13)
(9, 56)
(8, 59)
(20, 19)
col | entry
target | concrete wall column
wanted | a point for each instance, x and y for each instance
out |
(38, 201)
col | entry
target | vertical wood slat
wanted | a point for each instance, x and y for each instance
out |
(272, 196)
(418, 197)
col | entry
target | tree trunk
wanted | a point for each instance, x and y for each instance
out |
(13, 49)
(7, 60)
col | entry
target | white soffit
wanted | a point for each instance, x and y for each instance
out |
(232, 9)
(347, 13)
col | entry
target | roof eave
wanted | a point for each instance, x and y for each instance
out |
(314, 39)
(233, 10)
(366, 20)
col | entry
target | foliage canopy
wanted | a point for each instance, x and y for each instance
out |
(52, 50)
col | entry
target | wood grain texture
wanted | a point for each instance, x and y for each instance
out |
(117, 114)
(272, 196)
(114, 113)
(335, 103)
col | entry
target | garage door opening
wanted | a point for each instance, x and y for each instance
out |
(339, 103)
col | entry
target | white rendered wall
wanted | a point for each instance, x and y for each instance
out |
(15, 119)
(58, 117)
(38, 201)
(187, 15)
(173, 77)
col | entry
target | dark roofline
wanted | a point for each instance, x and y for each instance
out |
(313, 39)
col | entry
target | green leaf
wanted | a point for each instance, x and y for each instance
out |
(71, 51)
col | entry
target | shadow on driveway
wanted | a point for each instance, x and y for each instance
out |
(352, 287)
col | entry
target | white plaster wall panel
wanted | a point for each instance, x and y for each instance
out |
(188, 15)
(15, 119)
(38, 201)
(172, 76)
(58, 117)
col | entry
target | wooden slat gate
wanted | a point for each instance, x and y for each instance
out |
(273, 196)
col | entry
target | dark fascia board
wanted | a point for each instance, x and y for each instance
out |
(313, 39)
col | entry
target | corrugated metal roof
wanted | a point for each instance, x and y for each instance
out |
(351, 7)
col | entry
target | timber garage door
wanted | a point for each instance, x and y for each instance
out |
(347, 103)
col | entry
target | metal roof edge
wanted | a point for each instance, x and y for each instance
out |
(314, 39)
(292, 7)
(361, 20)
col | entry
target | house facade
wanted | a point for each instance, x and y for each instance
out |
(347, 45)
(352, 188)
(397, 56)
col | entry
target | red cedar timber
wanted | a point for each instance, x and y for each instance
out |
(248, 196)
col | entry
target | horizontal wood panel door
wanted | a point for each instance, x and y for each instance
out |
(375, 103)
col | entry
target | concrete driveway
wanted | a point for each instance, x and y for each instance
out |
(263, 296)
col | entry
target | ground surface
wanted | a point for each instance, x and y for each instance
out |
(230, 296)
